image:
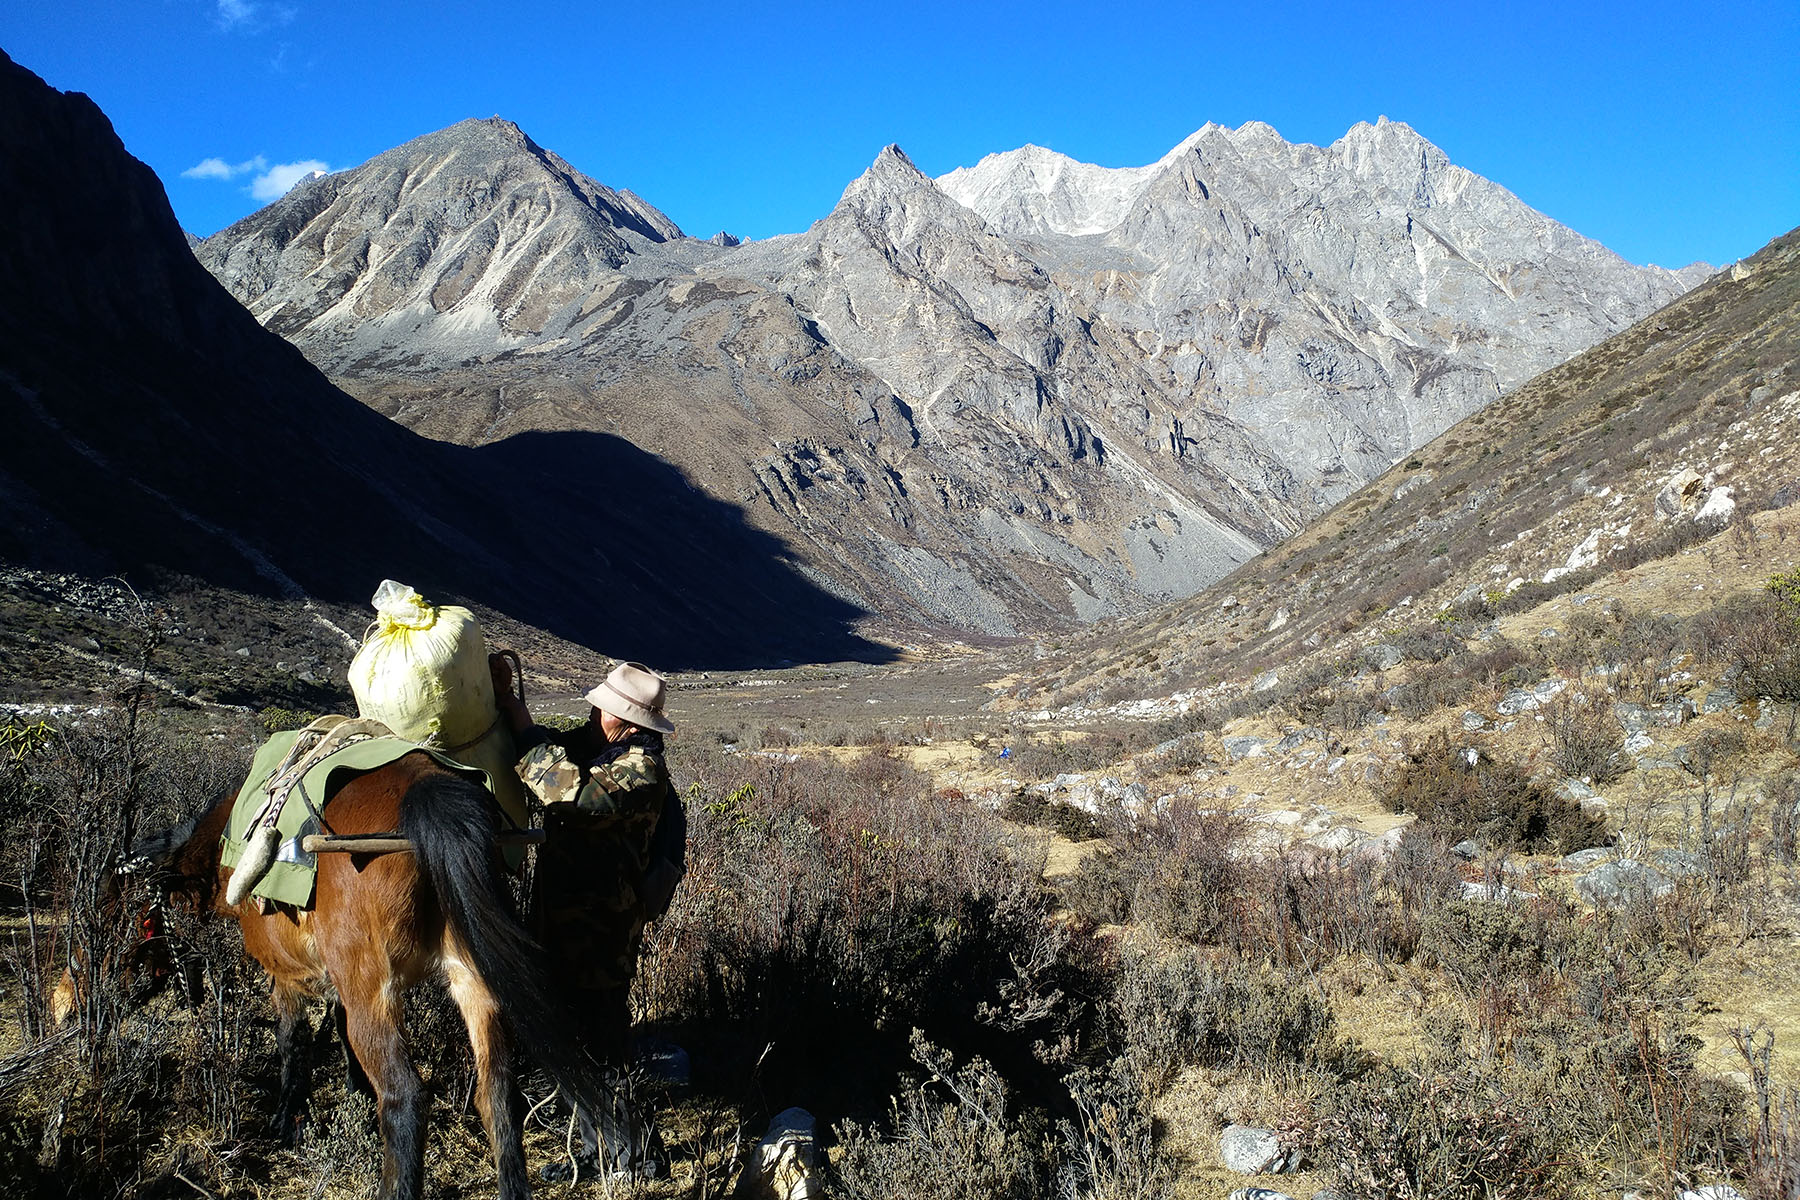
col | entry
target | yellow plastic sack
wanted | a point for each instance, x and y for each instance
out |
(423, 672)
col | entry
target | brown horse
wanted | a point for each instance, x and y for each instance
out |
(383, 922)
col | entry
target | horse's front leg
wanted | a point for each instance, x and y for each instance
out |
(293, 1038)
(497, 1091)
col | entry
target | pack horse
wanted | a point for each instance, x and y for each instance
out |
(382, 922)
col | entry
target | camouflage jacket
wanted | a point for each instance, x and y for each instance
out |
(620, 790)
(600, 822)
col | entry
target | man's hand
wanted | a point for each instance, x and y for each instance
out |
(500, 668)
(517, 716)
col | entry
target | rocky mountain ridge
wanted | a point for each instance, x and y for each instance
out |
(1028, 394)
(157, 431)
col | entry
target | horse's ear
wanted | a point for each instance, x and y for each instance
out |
(185, 858)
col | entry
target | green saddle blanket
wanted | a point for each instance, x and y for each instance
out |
(291, 876)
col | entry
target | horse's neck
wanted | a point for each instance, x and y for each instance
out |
(195, 862)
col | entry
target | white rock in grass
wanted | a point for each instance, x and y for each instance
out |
(1719, 506)
(1251, 1151)
(786, 1158)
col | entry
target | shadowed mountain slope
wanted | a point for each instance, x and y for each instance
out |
(155, 427)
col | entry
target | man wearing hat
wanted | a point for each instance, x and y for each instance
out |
(611, 856)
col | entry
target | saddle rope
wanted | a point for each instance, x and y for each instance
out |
(317, 742)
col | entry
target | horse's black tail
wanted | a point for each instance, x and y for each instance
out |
(451, 823)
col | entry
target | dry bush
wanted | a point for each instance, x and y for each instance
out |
(1433, 686)
(1774, 1159)
(952, 1138)
(1044, 758)
(1029, 807)
(1110, 1150)
(94, 1100)
(1580, 1026)
(1491, 799)
(1301, 911)
(1427, 643)
(826, 904)
(1183, 1007)
(1489, 954)
(1784, 816)
(1761, 636)
(1186, 872)
(1586, 739)
(1454, 1134)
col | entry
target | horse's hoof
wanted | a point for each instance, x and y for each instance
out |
(563, 1170)
(286, 1132)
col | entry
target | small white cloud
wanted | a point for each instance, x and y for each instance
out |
(252, 16)
(218, 168)
(236, 13)
(275, 182)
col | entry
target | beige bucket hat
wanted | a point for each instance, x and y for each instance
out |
(633, 692)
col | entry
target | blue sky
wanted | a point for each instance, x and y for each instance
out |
(1670, 132)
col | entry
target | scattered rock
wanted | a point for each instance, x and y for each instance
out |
(1335, 840)
(1718, 700)
(1468, 850)
(1718, 507)
(1244, 747)
(1265, 681)
(1293, 739)
(1498, 892)
(1677, 863)
(1621, 882)
(1473, 722)
(1383, 657)
(1280, 618)
(1515, 702)
(1581, 860)
(667, 1062)
(1521, 700)
(1681, 491)
(1715, 1191)
(1251, 1151)
(1259, 1194)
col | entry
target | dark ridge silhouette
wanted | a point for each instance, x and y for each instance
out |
(151, 425)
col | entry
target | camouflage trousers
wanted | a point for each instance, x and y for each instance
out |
(588, 917)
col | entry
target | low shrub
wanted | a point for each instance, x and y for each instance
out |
(952, 1137)
(1489, 799)
(1184, 1007)
(1029, 807)
(1451, 1134)
(1586, 739)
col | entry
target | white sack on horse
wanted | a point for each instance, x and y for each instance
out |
(423, 672)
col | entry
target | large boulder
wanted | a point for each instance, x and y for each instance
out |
(1622, 882)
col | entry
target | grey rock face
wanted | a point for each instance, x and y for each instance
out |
(1244, 747)
(1621, 882)
(1029, 394)
(1581, 860)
